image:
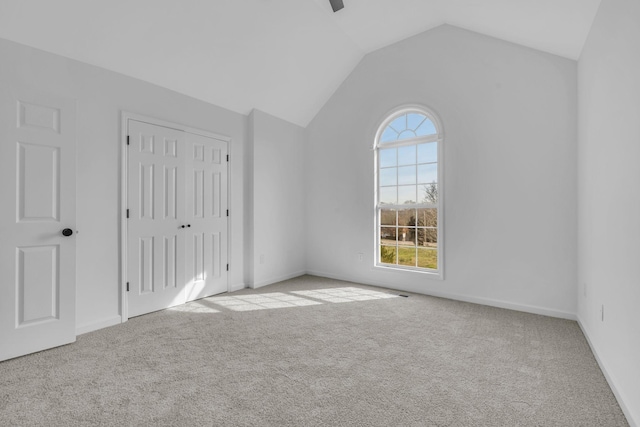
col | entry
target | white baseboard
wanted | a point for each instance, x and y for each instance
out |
(273, 280)
(619, 396)
(236, 287)
(94, 326)
(475, 300)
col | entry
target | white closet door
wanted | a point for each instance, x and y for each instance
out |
(38, 182)
(155, 237)
(207, 216)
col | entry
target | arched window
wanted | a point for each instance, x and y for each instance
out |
(408, 148)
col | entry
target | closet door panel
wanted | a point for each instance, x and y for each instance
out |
(156, 202)
(207, 216)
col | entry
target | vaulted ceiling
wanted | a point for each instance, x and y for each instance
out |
(284, 57)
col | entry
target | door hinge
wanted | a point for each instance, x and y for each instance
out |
(227, 212)
(127, 213)
(127, 139)
(127, 286)
(227, 157)
(227, 267)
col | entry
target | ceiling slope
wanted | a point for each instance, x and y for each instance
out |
(559, 27)
(284, 57)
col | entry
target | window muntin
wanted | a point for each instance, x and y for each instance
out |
(407, 126)
(408, 207)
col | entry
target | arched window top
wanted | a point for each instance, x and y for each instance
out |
(407, 124)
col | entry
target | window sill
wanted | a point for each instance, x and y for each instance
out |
(435, 275)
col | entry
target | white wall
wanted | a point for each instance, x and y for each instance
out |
(276, 205)
(609, 196)
(509, 116)
(101, 96)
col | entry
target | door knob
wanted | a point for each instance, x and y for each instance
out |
(67, 232)
(182, 226)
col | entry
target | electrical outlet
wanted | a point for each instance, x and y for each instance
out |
(261, 258)
(360, 257)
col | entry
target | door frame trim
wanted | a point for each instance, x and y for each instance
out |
(125, 116)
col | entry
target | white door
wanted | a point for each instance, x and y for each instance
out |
(206, 216)
(38, 182)
(177, 225)
(155, 233)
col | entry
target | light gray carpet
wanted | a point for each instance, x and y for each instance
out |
(337, 357)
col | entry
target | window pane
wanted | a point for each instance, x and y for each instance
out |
(428, 173)
(428, 153)
(388, 176)
(406, 236)
(427, 258)
(426, 128)
(429, 193)
(407, 256)
(407, 218)
(388, 157)
(414, 120)
(407, 155)
(428, 238)
(388, 195)
(407, 175)
(389, 135)
(407, 194)
(400, 123)
(388, 255)
(387, 217)
(427, 217)
(388, 235)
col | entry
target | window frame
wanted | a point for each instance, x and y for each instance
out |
(438, 138)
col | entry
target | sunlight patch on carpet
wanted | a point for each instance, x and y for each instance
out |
(261, 301)
(350, 294)
(194, 307)
(300, 299)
